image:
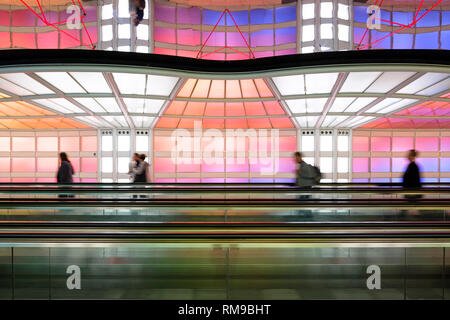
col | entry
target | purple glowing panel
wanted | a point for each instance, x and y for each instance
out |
(381, 144)
(397, 180)
(213, 167)
(186, 167)
(261, 180)
(399, 164)
(188, 180)
(385, 43)
(262, 38)
(402, 143)
(360, 180)
(445, 144)
(285, 35)
(429, 40)
(428, 164)
(380, 164)
(237, 165)
(380, 180)
(164, 13)
(261, 16)
(285, 180)
(427, 143)
(213, 180)
(217, 39)
(287, 165)
(188, 15)
(430, 180)
(360, 164)
(234, 39)
(165, 180)
(236, 180)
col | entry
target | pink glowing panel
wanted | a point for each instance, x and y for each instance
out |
(213, 166)
(236, 123)
(213, 144)
(399, 164)
(201, 89)
(234, 39)
(164, 35)
(360, 144)
(5, 165)
(89, 143)
(48, 40)
(23, 18)
(4, 39)
(188, 37)
(187, 53)
(380, 164)
(445, 144)
(215, 109)
(283, 53)
(47, 164)
(22, 180)
(213, 180)
(89, 180)
(168, 122)
(254, 109)
(249, 89)
(217, 39)
(236, 180)
(427, 143)
(186, 167)
(259, 123)
(164, 165)
(46, 180)
(287, 143)
(23, 144)
(360, 164)
(195, 108)
(4, 179)
(69, 144)
(169, 52)
(23, 165)
(89, 165)
(237, 144)
(47, 144)
(23, 40)
(70, 39)
(263, 89)
(213, 124)
(188, 180)
(176, 108)
(402, 143)
(380, 143)
(281, 123)
(428, 164)
(163, 143)
(164, 13)
(5, 144)
(165, 180)
(287, 165)
(237, 165)
(4, 18)
(75, 164)
(273, 108)
(445, 165)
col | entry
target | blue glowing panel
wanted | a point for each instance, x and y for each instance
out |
(404, 18)
(262, 38)
(445, 18)
(285, 35)
(285, 180)
(260, 180)
(382, 44)
(397, 180)
(399, 164)
(430, 180)
(445, 164)
(360, 14)
(429, 40)
(360, 180)
(380, 164)
(285, 14)
(240, 17)
(402, 41)
(358, 33)
(427, 164)
(211, 17)
(431, 19)
(380, 180)
(446, 180)
(445, 39)
(261, 16)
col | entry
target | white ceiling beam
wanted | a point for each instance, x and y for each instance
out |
(113, 86)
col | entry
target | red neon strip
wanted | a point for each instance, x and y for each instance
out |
(207, 54)
(43, 15)
(392, 22)
(241, 33)
(210, 34)
(383, 37)
(417, 13)
(427, 11)
(236, 51)
(89, 36)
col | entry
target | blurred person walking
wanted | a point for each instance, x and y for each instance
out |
(411, 177)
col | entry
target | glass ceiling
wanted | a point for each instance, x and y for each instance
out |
(313, 99)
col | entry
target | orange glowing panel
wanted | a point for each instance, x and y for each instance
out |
(249, 89)
(195, 108)
(216, 109)
(28, 109)
(36, 123)
(161, 143)
(273, 108)
(233, 89)
(281, 123)
(187, 88)
(234, 109)
(9, 111)
(263, 89)
(63, 123)
(13, 124)
(213, 124)
(254, 109)
(201, 89)
(236, 124)
(217, 90)
(176, 108)
(188, 123)
(167, 122)
(259, 123)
